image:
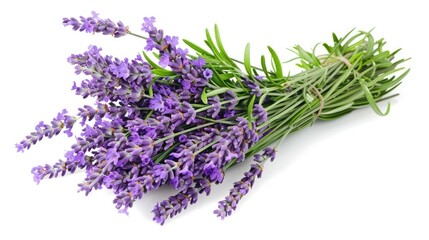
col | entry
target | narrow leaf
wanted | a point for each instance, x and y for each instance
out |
(264, 68)
(204, 96)
(197, 48)
(277, 63)
(371, 100)
(334, 37)
(221, 48)
(150, 89)
(152, 63)
(250, 108)
(247, 65)
(163, 72)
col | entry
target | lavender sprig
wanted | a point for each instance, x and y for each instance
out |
(184, 120)
(62, 122)
(95, 24)
(240, 189)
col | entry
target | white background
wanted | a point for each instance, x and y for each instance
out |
(358, 177)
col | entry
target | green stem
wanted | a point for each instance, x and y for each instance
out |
(137, 35)
(221, 103)
(205, 147)
(182, 132)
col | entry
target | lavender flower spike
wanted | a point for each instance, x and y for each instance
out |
(62, 121)
(96, 25)
(240, 189)
(174, 205)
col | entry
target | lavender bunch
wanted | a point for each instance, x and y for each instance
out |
(183, 119)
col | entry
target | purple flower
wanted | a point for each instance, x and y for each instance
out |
(203, 185)
(214, 173)
(59, 168)
(270, 153)
(60, 122)
(229, 113)
(147, 145)
(113, 180)
(112, 156)
(150, 44)
(171, 42)
(157, 103)
(88, 24)
(215, 109)
(232, 98)
(40, 172)
(189, 113)
(186, 113)
(192, 76)
(260, 114)
(174, 205)
(253, 86)
(121, 30)
(159, 173)
(164, 60)
(258, 158)
(240, 189)
(183, 138)
(72, 22)
(120, 69)
(96, 25)
(208, 73)
(132, 144)
(123, 201)
(148, 24)
(75, 157)
(112, 79)
(199, 62)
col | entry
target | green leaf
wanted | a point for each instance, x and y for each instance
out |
(212, 46)
(217, 79)
(370, 45)
(327, 47)
(247, 65)
(277, 63)
(221, 90)
(264, 68)
(152, 63)
(250, 108)
(304, 54)
(197, 48)
(239, 81)
(262, 98)
(338, 81)
(163, 72)
(163, 155)
(204, 96)
(337, 109)
(150, 89)
(226, 76)
(334, 37)
(394, 82)
(313, 55)
(371, 100)
(382, 76)
(221, 48)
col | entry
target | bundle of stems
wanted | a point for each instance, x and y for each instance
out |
(353, 73)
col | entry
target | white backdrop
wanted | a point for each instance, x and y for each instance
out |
(358, 177)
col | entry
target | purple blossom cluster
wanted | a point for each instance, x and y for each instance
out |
(240, 189)
(147, 130)
(62, 122)
(95, 24)
(193, 77)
